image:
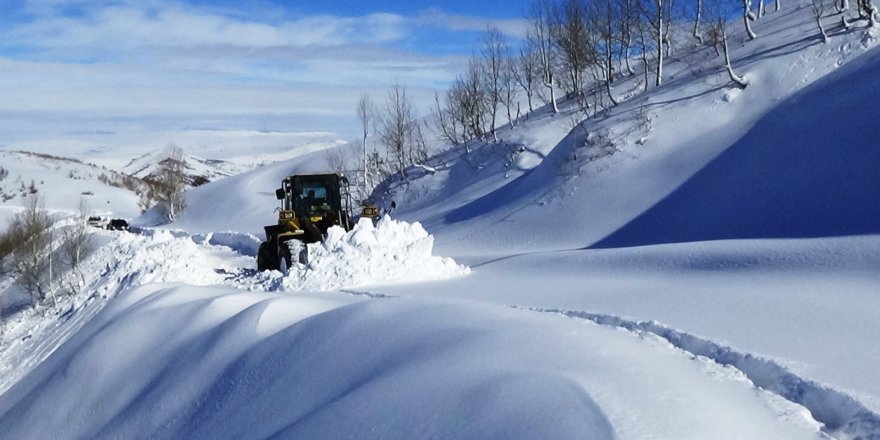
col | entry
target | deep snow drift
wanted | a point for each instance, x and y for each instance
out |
(185, 362)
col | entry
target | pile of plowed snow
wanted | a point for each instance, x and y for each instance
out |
(389, 251)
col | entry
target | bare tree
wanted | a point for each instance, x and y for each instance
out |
(818, 10)
(658, 23)
(397, 128)
(470, 96)
(643, 23)
(868, 12)
(528, 70)
(698, 14)
(495, 52)
(419, 153)
(508, 87)
(571, 37)
(748, 18)
(9, 240)
(541, 38)
(365, 112)
(31, 255)
(713, 32)
(626, 23)
(721, 10)
(738, 80)
(446, 118)
(671, 19)
(379, 167)
(77, 244)
(604, 15)
(171, 181)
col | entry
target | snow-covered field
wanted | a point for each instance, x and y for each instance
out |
(62, 185)
(715, 277)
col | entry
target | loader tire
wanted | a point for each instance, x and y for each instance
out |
(266, 258)
(284, 260)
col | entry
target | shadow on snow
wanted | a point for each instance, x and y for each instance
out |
(809, 168)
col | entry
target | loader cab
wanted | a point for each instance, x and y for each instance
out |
(314, 195)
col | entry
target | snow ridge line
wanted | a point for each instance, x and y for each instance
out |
(842, 415)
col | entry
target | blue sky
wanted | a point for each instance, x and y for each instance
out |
(72, 66)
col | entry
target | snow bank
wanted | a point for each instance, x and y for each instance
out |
(161, 257)
(390, 251)
(212, 362)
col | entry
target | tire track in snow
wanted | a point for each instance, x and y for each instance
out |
(842, 415)
(370, 295)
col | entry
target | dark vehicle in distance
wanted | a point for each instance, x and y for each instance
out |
(118, 224)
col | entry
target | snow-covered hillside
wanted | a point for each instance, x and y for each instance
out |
(62, 183)
(726, 153)
(244, 202)
(98, 178)
(125, 152)
(697, 262)
(211, 163)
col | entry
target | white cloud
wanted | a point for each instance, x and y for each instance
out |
(163, 64)
(127, 26)
(515, 28)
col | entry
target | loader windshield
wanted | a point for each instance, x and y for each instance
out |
(313, 195)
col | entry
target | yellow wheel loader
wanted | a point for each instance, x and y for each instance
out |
(310, 204)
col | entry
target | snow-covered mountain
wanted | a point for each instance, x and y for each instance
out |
(211, 164)
(697, 262)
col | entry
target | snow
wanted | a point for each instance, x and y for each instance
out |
(390, 251)
(244, 202)
(214, 155)
(61, 184)
(226, 364)
(697, 262)
(794, 174)
(133, 150)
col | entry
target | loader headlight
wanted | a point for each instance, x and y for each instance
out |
(286, 215)
(369, 212)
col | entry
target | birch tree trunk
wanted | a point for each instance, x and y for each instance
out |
(748, 17)
(660, 43)
(738, 80)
